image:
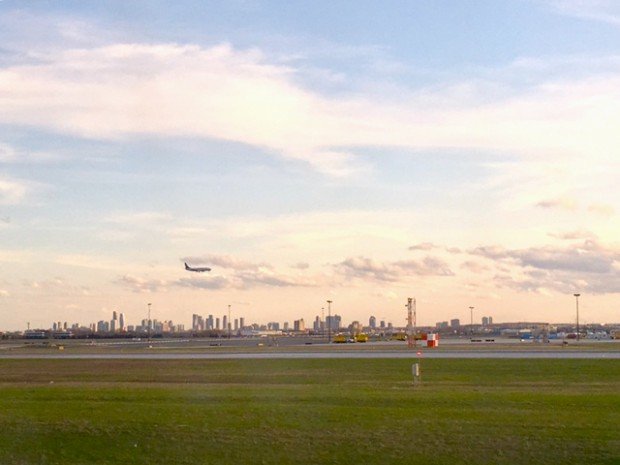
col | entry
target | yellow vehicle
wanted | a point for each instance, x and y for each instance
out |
(340, 339)
(361, 337)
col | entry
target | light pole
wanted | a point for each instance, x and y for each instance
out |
(577, 305)
(229, 322)
(329, 321)
(471, 320)
(148, 323)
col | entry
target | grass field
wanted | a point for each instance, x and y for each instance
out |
(309, 411)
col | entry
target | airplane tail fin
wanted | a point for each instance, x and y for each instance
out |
(186, 267)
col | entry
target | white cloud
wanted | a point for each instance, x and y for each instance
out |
(12, 191)
(9, 154)
(572, 235)
(564, 203)
(589, 266)
(602, 209)
(237, 95)
(56, 286)
(367, 269)
(606, 11)
(138, 218)
(240, 280)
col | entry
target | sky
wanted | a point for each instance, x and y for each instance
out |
(464, 153)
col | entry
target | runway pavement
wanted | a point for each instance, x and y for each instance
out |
(568, 355)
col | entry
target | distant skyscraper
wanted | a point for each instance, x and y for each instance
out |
(334, 322)
(490, 320)
(241, 322)
(372, 322)
(217, 323)
(485, 321)
(299, 325)
(121, 322)
(114, 315)
(455, 323)
(224, 322)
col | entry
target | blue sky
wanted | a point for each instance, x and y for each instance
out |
(464, 153)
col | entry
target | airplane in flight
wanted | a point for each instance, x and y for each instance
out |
(198, 269)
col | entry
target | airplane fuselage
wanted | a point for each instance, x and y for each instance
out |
(198, 269)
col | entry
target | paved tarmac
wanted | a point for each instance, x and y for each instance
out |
(568, 355)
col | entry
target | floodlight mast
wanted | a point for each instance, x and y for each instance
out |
(471, 321)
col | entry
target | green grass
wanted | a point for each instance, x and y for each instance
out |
(309, 411)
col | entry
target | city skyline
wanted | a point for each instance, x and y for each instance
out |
(469, 157)
(318, 323)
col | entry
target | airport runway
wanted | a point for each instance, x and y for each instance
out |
(568, 355)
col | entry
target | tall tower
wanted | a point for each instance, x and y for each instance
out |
(411, 322)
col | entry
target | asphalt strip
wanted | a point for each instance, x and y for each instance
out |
(327, 355)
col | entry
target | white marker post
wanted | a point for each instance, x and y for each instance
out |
(415, 371)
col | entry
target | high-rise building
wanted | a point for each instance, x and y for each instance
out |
(121, 322)
(490, 320)
(217, 323)
(455, 323)
(485, 321)
(333, 322)
(236, 326)
(225, 322)
(241, 322)
(317, 324)
(299, 325)
(372, 322)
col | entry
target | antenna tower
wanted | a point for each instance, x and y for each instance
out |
(411, 322)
